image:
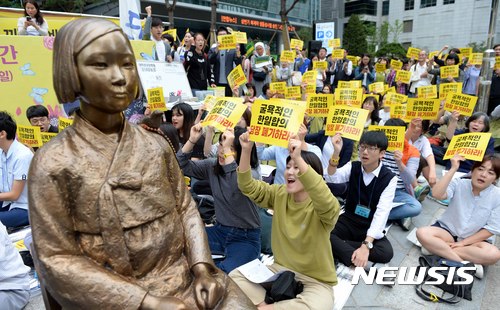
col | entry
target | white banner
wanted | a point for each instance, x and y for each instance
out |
(130, 19)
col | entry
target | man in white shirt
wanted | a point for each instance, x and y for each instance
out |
(419, 75)
(153, 29)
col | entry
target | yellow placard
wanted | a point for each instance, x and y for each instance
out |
(309, 77)
(296, 44)
(476, 59)
(349, 96)
(353, 59)
(293, 92)
(380, 68)
(422, 108)
(395, 98)
(209, 102)
(236, 77)
(347, 121)
(395, 135)
(172, 32)
(396, 64)
(63, 123)
(464, 104)
(398, 111)
(433, 53)
(377, 87)
(412, 52)
(334, 43)
(227, 42)
(278, 87)
(46, 136)
(388, 89)
(156, 101)
(226, 113)
(466, 52)
(29, 135)
(403, 76)
(241, 37)
(429, 91)
(338, 53)
(320, 65)
(273, 121)
(287, 56)
(319, 104)
(349, 84)
(446, 88)
(470, 145)
(447, 71)
(219, 91)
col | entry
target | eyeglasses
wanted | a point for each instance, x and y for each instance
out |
(372, 149)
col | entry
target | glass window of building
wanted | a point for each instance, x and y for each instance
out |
(360, 7)
(448, 1)
(407, 25)
(409, 5)
(385, 8)
(427, 3)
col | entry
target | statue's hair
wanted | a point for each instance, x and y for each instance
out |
(71, 39)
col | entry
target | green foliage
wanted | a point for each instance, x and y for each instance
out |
(395, 29)
(355, 38)
(391, 50)
(74, 6)
(10, 4)
(305, 34)
(477, 47)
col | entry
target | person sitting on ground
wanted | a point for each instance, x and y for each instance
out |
(404, 165)
(304, 214)
(14, 279)
(465, 231)
(236, 234)
(38, 115)
(16, 160)
(358, 236)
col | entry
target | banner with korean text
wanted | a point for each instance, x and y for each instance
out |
(470, 145)
(461, 103)
(395, 135)
(319, 104)
(346, 120)
(226, 113)
(422, 108)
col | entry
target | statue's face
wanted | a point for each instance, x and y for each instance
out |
(107, 73)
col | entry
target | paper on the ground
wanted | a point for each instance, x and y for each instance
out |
(266, 170)
(256, 272)
(412, 237)
(342, 291)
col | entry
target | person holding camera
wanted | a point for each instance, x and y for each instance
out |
(365, 71)
(33, 23)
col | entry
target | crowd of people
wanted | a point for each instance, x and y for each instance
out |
(314, 175)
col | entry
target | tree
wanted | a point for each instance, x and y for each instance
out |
(170, 10)
(396, 29)
(355, 36)
(477, 47)
(213, 21)
(284, 22)
(390, 50)
(305, 34)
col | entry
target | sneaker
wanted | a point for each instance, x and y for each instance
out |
(421, 179)
(424, 251)
(421, 192)
(479, 271)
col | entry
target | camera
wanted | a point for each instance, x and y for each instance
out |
(28, 18)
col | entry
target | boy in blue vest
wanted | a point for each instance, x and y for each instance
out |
(358, 236)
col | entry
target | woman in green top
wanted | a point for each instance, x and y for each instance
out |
(305, 212)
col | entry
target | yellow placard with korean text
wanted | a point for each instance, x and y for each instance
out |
(209, 102)
(296, 44)
(446, 88)
(293, 92)
(47, 136)
(334, 43)
(172, 32)
(432, 54)
(156, 101)
(396, 64)
(466, 52)
(320, 65)
(309, 77)
(338, 53)
(395, 135)
(429, 91)
(225, 113)
(63, 123)
(395, 98)
(278, 87)
(241, 37)
(476, 59)
(412, 53)
(353, 59)
(319, 104)
(464, 104)
(422, 108)
(380, 68)
(287, 56)
(447, 71)
(349, 84)
(29, 135)
(377, 87)
(398, 111)
(227, 42)
(349, 96)
(236, 77)
(388, 89)
(403, 76)
(470, 145)
(347, 121)
(273, 121)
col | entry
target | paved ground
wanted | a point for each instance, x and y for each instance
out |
(485, 293)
